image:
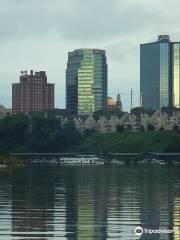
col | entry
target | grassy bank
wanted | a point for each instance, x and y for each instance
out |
(131, 142)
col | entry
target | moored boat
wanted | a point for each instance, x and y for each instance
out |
(117, 162)
(81, 160)
(143, 162)
(3, 165)
(155, 161)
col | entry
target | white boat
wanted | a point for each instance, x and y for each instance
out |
(176, 162)
(3, 165)
(143, 162)
(81, 160)
(117, 162)
(158, 162)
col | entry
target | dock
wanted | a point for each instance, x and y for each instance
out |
(127, 158)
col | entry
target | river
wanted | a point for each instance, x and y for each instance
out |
(87, 203)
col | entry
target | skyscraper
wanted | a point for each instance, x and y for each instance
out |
(155, 73)
(33, 93)
(176, 74)
(86, 81)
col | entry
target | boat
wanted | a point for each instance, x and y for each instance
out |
(81, 160)
(117, 162)
(155, 161)
(143, 162)
(176, 162)
(3, 165)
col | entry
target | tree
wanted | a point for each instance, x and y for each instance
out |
(169, 109)
(142, 129)
(45, 132)
(14, 131)
(120, 128)
(139, 110)
(19, 133)
(71, 136)
(129, 127)
(150, 127)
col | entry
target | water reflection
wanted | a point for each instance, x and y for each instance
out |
(89, 203)
(176, 216)
(5, 206)
(32, 205)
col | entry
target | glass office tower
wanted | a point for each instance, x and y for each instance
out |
(155, 73)
(176, 74)
(86, 81)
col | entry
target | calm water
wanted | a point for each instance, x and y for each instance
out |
(89, 203)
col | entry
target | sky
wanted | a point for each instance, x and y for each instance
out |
(38, 34)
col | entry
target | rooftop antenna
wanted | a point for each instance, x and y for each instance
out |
(131, 98)
(141, 100)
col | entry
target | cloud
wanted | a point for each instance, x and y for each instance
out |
(72, 19)
(38, 34)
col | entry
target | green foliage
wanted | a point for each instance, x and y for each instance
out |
(120, 128)
(71, 135)
(44, 133)
(19, 133)
(174, 145)
(107, 113)
(169, 109)
(140, 110)
(131, 142)
(14, 131)
(8, 160)
(150, 127)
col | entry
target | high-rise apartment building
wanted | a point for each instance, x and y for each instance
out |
(86, 81)
(160, 73)
(33, 93)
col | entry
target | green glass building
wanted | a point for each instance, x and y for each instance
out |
(86, 81)
(176, 74)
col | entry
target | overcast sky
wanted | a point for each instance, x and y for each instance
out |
(37, 34)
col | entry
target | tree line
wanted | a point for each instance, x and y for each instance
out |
(22, 133)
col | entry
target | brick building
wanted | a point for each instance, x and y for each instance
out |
(33, 93)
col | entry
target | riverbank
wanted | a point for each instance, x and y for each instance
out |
(8, 161)
(141, 142)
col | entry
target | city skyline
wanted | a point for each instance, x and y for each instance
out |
(38, 35)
